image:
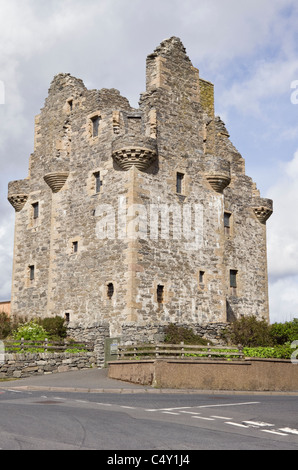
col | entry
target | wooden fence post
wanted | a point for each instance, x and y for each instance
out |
(182, 348)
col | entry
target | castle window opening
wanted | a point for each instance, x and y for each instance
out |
(70, 105)
(67, 317)
(95, 125)
(233, 281)
(98, 181)
(227, 223)
(31, 273)
(75, 246)
(35, 208)
(179, 183)
(160, 294)
(110, 290)
(201, 277)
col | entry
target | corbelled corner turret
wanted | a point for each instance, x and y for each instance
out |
(131, 219)
(134, 150)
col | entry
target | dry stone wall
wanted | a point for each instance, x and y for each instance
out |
(30, 364)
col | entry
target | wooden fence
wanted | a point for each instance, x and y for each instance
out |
(143, 351)
(12, 346)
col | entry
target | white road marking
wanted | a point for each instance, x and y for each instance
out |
(128, 407)
(172, 409)
(229, 404)
(170, 413)
(236, 424)
(274, 432)
(203, 417)
(220, 417)
(289, 430)
(257, 423)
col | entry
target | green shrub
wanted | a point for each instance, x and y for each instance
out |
(281, 352)
(176, 334)
(5, 325)
(284, 332)
(249, 331)
(31, 331)
(54, 326)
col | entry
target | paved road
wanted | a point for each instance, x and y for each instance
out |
(45, 413)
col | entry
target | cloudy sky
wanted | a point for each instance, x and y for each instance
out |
(248, 49)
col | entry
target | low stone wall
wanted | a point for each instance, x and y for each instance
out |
(132, 333)
(244, 375)
(28, 364)
(95, 334)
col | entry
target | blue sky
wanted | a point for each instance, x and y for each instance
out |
(247, 49)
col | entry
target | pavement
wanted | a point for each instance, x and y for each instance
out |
(89, 380)
(97, 381)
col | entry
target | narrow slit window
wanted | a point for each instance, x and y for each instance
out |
(160, 294)
(67, 318)
(35, 208)
(233, 281)
(31, 273)
(110, 290)
(95, 125)
(201, 277)
(70, 105)
(227, 223)
(179, 183)
(98, 182)
(75, 246)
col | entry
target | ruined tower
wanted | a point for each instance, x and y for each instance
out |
(135, 218)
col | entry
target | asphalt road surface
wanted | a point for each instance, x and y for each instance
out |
(160, 422)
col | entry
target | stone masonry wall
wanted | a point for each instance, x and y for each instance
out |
(122, 220)
(29, 364)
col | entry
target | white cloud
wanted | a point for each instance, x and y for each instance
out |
(282, 238)
(283, 299)
(223, 31)
(283, 225)
(267, 80)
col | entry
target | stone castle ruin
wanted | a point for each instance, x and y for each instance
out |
(131, 219)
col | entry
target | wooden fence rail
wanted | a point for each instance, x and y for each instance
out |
(178, 351)
(46, 345)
